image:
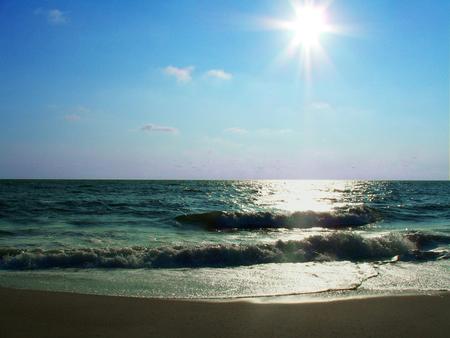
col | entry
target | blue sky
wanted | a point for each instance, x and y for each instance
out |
(200, 89)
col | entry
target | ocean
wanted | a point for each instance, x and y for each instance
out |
(225, 239)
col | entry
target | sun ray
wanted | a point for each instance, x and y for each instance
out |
(308, 24)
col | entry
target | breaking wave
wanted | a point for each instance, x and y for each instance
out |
(329, 247)
(221, 220)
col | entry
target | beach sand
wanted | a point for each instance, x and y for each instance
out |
(27, 313)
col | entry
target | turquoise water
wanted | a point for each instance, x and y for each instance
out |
(199, 239)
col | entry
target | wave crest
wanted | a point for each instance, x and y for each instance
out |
(329, 247)
(221, 220)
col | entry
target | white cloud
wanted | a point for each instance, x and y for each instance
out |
(236, 130)
(181, 74)
(219, 74)
(72, 117)
(155, 128)
(54, 16)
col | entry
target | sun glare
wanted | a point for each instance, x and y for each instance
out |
(308, 26)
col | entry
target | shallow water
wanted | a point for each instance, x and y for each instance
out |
(199, 239)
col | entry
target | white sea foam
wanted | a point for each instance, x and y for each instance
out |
(335, 246)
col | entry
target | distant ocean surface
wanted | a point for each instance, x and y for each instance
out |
(225, 239)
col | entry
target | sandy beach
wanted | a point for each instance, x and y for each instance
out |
(27, 313)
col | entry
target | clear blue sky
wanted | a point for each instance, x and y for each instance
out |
(198, 89)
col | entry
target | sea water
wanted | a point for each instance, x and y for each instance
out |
(224, 239)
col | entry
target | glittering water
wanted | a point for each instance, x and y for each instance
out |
(223, 238)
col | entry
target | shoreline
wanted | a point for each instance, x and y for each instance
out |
(33, 313)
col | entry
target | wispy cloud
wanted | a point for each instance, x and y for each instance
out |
(181, 74)
(219, 74)
(82, 109)
(263, 131)
(72, 118)
(54, 16)
(74, 114)
(236, 130)
(155, 128)
(320, 105)
(270, 131)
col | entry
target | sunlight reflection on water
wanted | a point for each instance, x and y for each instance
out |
(291, 196)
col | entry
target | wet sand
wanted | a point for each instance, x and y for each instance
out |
(27, 313)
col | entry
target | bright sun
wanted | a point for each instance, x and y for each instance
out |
(308, 26)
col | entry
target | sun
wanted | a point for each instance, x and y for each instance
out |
(308, 25)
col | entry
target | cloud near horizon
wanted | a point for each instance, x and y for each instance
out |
(181, 74)
(155, 128)
(236, 130)
(219, 74)
(320, 105)
(263, 131)
(54, 16)
(269, 131)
